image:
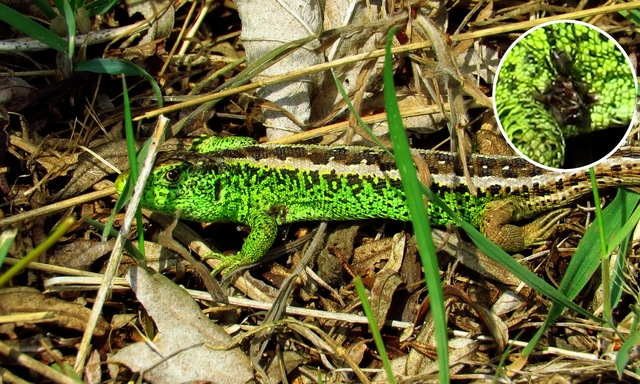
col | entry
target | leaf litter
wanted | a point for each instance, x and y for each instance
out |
(51, 119)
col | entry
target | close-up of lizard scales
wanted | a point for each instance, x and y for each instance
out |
(560, 83)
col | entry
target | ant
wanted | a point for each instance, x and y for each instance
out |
(568, 99)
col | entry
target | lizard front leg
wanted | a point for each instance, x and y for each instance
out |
(264, 229)
(496, 226)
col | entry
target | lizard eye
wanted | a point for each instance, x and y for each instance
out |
(172, 176)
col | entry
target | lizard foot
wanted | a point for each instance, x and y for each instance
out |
(228, 263)
(541, 228)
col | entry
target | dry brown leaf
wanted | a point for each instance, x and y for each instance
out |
(507, 302)
(267, 25)
(339, 245)
(496, 327)
(384, 286)
(369, 255)
(290, 360)
(159, 12)
(66, 314)
(80, 254)
(180, 352)
(13, 89)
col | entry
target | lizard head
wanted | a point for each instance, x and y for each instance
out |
(180, 183)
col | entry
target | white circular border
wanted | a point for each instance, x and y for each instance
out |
(495, 109)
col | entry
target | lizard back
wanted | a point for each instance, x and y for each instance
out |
(312, 182)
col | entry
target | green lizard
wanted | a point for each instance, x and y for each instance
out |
(560, 81)
(263, 186)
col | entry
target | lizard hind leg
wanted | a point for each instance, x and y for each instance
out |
(496, 226)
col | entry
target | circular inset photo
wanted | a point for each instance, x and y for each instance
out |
(565, 95)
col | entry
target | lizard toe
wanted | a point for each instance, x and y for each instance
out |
(541, 229)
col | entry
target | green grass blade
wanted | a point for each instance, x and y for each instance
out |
(133, 172)
(68, 372)
(500, 369)
(119, 67)
(415, 203)
(46, 8)
(355, 113)
(618, 237)
(100, 6)
(37, 251)
(622, 357)
(133, 164)
(375, 331)
(65, 9)
(617, 275)
(127, 192)
(585, 262)
(6, 239)
(604, 253)
(128, 245)
(633, 15)
(31, 28)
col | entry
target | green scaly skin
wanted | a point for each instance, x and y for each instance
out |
(528, 70)
(263, 186)
(310, 196)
